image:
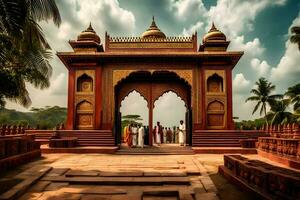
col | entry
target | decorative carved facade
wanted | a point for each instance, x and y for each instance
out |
(100, 76)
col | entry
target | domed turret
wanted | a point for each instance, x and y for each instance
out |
(89, 35)
(153, 31)
(214, 34)
(214, 40)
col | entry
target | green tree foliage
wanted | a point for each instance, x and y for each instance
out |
(45, 118)
(295, 38)
(130, 119)
(279, 113)
(294, 94)
(24, 51)
(262, 94)
(250, 124)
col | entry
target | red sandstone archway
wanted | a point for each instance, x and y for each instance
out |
(151, 86)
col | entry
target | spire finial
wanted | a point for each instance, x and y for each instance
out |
(90, 28)
(153, 24)
(213, 28)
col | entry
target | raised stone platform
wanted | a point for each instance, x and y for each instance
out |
(97, 176)
(266, 180)
(86, 149)
(289, 161)
(224, 150)
(163, 149)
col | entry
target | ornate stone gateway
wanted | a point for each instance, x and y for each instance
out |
(153, 64)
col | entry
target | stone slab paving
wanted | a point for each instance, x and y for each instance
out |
(99, 176)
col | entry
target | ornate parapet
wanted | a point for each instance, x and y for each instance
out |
(280, 146)
(139, 43)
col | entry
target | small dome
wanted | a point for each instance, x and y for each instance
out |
(153, 31)
(88, 35)
(214, 34)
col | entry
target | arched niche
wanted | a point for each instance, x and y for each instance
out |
(215, 83)
(84, 115)
(215, 114)
(84, 83)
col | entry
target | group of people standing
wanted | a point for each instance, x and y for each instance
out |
(134, 135)
(138, 136)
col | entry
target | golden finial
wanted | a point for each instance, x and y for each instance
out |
(213, 28)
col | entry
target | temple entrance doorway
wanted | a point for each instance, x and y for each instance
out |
(151, 85)
(134, 111)
(169, 110)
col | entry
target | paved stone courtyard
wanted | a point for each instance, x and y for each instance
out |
(100, 176)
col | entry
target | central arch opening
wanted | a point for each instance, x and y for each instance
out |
(150, 86)
(134, 112)
(169, 110)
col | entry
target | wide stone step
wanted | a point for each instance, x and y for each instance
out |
(120, 180)
(216, 145)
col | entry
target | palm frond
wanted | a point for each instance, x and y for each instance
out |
(44, 10)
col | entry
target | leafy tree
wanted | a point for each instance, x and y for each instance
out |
(279, 113)
(295, 38)
(262, 95)
(46, 118)
(250, 124)
(294, 94)
(49, 117)
(130, 119)
(24, 51)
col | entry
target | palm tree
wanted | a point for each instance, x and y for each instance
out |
(24, 51)
(295, 38)
(279, 113)
(262, 95)
(294, 94)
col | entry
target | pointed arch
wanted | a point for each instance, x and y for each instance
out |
(84, 115)
(215, 83)
(84, 83)
(215, 114)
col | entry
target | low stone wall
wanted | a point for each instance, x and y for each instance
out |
(269, 181)
(17, 149)
(280, 146)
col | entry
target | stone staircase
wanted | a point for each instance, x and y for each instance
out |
(164, 149)
(221, 138)
(85, 137)
(94, 138)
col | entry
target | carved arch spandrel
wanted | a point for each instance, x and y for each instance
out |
(125, 90)
(186, 75)
(179, 89)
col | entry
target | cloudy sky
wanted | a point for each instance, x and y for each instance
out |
(258, 27)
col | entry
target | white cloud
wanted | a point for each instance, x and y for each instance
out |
(64, 31)
(188, 9)
(240, 83)
(287, 72)
(134, 103)
(261, 67)
(192, 29)
(235, 16)
(252, 48)
(58, 85)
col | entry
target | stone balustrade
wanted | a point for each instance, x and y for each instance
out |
(280, 146)
(267, 180)
(16, 149)
(12, 130)
(283, 130)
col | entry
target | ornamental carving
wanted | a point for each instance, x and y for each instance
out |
(81, 98)
(85, 81)
(118, 75)
(138, 45)
(215, 81)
